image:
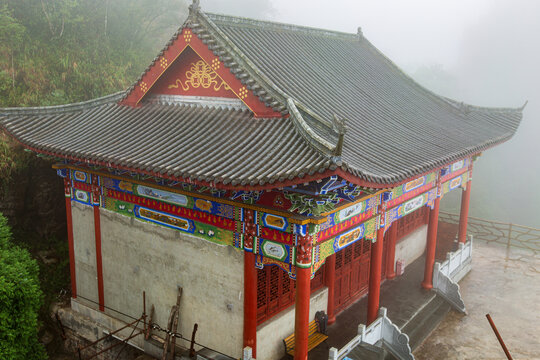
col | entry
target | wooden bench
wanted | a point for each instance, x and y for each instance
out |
(314, 338)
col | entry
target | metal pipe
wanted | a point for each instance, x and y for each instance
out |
(144, 310)
(508, 356)
(115, 345)
(192, 347)
(110, 334)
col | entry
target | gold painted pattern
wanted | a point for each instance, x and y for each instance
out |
(188, 35)
(144, 87)
(200, 75)
(163, 62)
(215, 64)
(242, 93)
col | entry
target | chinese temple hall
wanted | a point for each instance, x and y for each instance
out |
(270, 171)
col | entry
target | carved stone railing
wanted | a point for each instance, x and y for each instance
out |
(381, 334)
(511, 235)
(456, 260)
(447, 274)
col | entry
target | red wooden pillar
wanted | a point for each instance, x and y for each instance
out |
(391, 256)
(330, 273)
(96, 197)
(464, 213)
(71, 246)
(99, 261)
(431, 245)
(375, 270)
(301, 323)
(250, 302)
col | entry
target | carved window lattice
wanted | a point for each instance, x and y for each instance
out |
(276, 290)
(339, 260)
(261, 289)
(274, 283)
(285, 283)
(318, 279)
(348, 255)
(367, 246)
(358, 249)
(411, 222)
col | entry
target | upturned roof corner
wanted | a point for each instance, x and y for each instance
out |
(340, 127)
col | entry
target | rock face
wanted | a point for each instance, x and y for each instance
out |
(32, 198)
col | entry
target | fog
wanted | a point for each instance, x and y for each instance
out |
(481, 52)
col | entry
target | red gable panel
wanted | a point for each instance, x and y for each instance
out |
(183, 69)
(191, 75)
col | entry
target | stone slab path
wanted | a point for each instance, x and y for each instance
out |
(505, 285)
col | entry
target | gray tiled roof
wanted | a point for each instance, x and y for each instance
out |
(204, 143)
(396, 129)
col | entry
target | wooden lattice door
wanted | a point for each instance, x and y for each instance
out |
(352, 273)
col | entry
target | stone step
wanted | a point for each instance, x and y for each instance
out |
(425, 321)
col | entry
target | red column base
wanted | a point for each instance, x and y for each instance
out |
(331, 320)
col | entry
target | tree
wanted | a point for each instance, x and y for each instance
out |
(20, 300)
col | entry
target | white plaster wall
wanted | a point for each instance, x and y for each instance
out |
(271, 333)
(84, 244)
(412, 246)
(141, 256)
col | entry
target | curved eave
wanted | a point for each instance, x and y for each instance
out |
(363, 180)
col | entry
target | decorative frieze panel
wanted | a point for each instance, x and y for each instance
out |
(206, 228)
(409, 206)
(409, 190)
(347, 218)
(275, 238)
(458, 181)
(453, 170)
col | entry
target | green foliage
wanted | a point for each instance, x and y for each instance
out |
(20, 300)
(61, 51)
(12, 160)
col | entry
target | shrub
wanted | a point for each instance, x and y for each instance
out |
(20, 300)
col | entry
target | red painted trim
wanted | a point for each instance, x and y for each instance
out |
(188, 39)
(250, 302)
(464, 213)
(330, 282)
(99, 261)
(69, 220)
(431, 245)
(301, 320)
(375, 270)
(391, 254)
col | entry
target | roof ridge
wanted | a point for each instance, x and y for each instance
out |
(282, 26)
(66, 107)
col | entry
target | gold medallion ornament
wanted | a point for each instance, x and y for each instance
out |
(200, 75)
(163, 62)
(187, 35)
(242, 93)
(215, 64)
(144, 87)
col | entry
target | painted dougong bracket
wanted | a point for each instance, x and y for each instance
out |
(381, 334)
(447, 274)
